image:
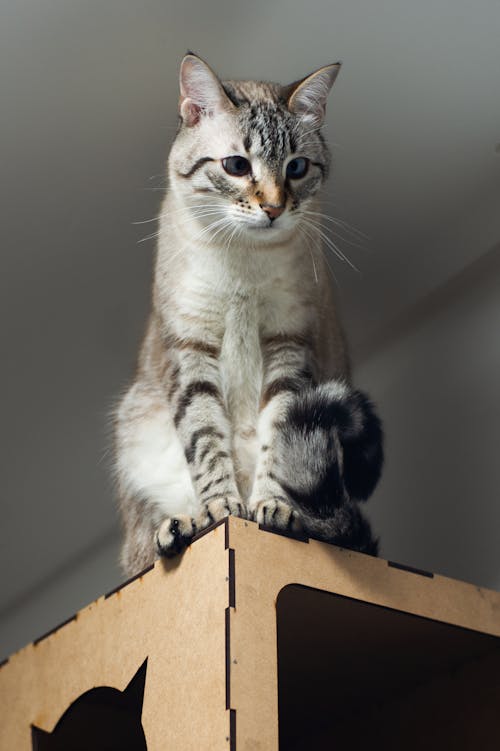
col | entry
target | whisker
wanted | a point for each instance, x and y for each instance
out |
(333, 221)
(347, 226)
(203, 211)
(152, 236)
(310, 239)
(329, 242)
(211, 226)
(145, 221)
(337, 251)
(222, 224)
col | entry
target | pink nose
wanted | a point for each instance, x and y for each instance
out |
(272, 210)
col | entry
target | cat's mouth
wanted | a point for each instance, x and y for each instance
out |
(266, 225)
(265, 230)
(270, 225)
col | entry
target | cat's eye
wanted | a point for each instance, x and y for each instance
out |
(297, 167)
(236, 165)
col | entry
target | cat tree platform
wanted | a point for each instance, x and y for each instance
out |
(257, 642)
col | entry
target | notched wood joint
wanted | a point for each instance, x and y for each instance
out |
(411, 569)
(53, 630)
(128, 581)
(232, 579)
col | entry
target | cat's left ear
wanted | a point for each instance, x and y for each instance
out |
(307, 97)
(201, 91)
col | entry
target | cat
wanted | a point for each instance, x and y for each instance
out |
(242, 401)
(102, 719)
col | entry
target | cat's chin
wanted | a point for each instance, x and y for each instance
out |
(267, 234)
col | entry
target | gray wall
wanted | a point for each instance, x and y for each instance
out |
(436, 380)
(52, 600)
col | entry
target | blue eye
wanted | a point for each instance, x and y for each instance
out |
(297, 168)
(236, 165)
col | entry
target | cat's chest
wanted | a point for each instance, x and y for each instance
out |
(250, 316)
(237, 318)
(241, 358)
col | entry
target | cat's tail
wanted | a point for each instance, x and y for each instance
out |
(328, 457)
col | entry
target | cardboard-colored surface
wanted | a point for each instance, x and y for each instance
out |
(207, 624)
(265, 563)
(174, 616)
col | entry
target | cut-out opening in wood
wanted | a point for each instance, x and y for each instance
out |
(101, 719)
(356, 675)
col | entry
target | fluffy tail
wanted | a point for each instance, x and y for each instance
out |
(329, 456)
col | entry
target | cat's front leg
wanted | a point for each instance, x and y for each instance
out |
(199, 414)
(289, 368)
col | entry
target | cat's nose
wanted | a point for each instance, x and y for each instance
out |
(272, 210)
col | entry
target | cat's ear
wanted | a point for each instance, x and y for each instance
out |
(201, 91)
(307, 98)
(134, 693)
(40, 739)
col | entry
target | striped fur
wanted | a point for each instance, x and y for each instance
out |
(243, 325)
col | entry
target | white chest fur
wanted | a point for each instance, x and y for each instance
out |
(241, 360)
(241, 371)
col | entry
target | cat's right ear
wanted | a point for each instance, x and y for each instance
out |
(201, 91)
(307, 98)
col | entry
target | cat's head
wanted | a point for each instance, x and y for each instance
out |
(249, 156)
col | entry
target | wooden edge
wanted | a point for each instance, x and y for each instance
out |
(210, 528)
(232, 730)
(411, 569)
(128, 581)
(53, 630)
(389, 583)
(230, 609)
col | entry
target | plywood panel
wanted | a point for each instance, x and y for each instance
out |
(267, 562)
(175, 616)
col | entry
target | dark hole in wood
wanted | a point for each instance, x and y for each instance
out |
(352, 675)
(102, 719)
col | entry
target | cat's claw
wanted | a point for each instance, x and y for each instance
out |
(278, 514)
(220, 507)
(174, 534)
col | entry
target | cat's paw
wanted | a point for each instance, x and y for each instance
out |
(277, 514)
(220, 507)
(174, 534)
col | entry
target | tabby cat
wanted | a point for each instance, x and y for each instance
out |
(241, 402)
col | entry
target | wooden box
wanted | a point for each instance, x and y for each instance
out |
(257, 642)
